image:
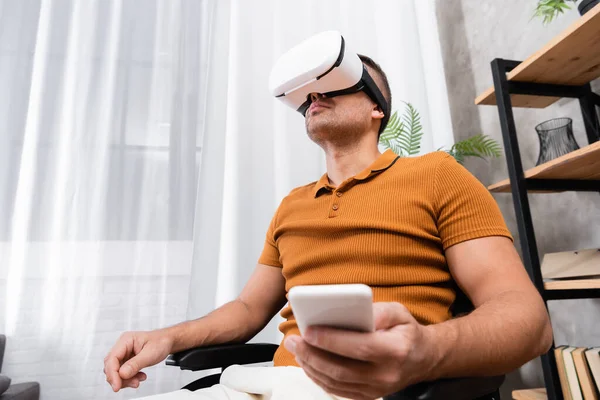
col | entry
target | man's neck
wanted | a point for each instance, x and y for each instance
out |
(343, 163)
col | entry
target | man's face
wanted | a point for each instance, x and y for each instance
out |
(342, 119)
(339, 118)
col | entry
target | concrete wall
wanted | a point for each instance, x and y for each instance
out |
(472, 34)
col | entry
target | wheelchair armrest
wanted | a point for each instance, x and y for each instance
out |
(451, 389)
(222, 356)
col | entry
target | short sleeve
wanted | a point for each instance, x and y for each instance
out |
(270, 253)
(465, 208)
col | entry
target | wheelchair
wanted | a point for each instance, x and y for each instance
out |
(225, 355)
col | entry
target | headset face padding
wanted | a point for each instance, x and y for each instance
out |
(323, 64)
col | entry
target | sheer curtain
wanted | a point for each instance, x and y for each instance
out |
(100, 142)
(142, 157)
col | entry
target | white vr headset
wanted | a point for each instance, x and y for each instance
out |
(322, 64)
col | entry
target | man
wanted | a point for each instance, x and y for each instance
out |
(412, 229)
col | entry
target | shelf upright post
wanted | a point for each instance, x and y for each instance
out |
(590, 118)
(521, 204)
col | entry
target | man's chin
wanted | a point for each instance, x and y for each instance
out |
(315, 129)
(320, 133)
(316, 135)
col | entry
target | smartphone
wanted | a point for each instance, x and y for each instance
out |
(347, 306)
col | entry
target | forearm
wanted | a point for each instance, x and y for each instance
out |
(498, 337)
(232, 322)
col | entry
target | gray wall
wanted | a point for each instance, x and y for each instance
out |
(472, 34)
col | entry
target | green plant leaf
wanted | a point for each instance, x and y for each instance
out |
(481, 146)
(550, 9)
(392, 128)
(394, 135)
(403, 135)
(414, 131)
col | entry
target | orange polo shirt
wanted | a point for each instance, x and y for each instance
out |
(386, 227)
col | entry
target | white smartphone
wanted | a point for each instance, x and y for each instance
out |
(339, 306)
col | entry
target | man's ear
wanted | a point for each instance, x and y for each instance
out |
(377, 112)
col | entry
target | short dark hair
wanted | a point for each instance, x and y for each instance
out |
(385, 90)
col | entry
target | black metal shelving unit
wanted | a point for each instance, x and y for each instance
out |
(588, 101)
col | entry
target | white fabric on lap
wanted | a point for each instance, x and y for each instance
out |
(256, 383)
(273, 383)
(216, 392)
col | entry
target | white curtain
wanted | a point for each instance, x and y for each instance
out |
(142, 157)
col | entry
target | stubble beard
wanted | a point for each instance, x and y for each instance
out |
(333, 130)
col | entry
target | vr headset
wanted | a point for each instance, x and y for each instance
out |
(322, 64)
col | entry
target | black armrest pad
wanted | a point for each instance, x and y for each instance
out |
(451, 389)
(222, 356)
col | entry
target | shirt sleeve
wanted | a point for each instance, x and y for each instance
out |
(270, 253)
(465, 208)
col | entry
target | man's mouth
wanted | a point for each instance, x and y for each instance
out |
(315, 106)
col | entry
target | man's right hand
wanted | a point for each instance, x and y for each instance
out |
(244, 317)
(132, 352)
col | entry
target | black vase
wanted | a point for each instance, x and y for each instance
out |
(587, 5)
(556, 139)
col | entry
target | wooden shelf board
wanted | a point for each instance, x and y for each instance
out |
(571, 58)
(529, 394)
(573, 284)
(488, 98)
(582, 164)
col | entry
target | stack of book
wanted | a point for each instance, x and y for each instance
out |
(579, 372)
(578, 367)
(572, 270)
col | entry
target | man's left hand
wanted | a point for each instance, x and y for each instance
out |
(360, 365)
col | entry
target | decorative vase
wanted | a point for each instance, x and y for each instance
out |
(556, 139)
(587, 5)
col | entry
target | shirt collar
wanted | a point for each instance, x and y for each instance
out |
(383, 162)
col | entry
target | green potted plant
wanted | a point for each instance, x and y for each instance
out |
(403, 135)
(548, 10)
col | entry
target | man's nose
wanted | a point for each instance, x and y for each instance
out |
(315, 96)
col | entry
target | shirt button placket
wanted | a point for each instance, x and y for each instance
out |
(335, 206)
